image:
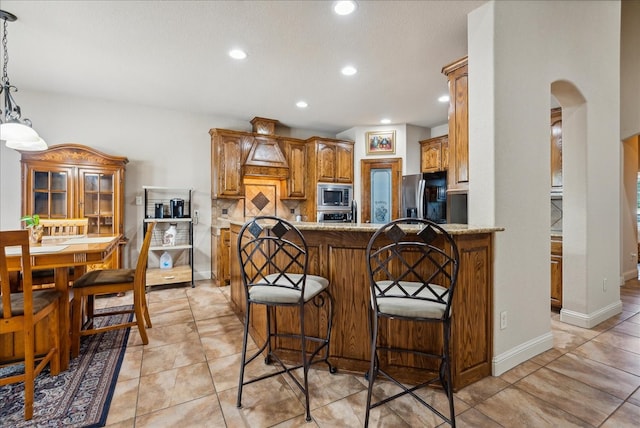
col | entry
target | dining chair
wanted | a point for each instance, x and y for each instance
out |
(20, 313)
(65, 226)
(274, 258)
(44, 278)
(413, 270)
(111, 281)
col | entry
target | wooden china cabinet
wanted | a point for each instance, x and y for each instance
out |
(75, 181)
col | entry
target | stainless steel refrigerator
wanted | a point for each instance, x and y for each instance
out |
(425, 196)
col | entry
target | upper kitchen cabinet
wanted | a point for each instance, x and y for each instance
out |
(75, 181)
(333, 160)
(556, 150)
(295, 151)
(226, 163)
(458, 79)
(434, 154)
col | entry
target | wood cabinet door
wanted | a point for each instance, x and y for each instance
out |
(223, 258)
(458, 176)
(556, 274)
(431, 156)
(296, 153)
(227, 166)
(434, 154)
(49, 191)
(444, 153)
(556, 149)
(344, 163)
(326, 161)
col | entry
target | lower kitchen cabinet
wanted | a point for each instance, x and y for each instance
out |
(556, 272)
(220, 260)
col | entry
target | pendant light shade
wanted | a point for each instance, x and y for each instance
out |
(15, 131)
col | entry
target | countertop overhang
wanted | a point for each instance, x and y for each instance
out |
(451, 228)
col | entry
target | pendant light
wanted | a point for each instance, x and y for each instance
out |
(15, 131)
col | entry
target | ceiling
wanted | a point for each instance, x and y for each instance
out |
(173, 54)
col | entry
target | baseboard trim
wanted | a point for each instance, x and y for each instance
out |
(593, 319)
(630, 274)
(521, 353)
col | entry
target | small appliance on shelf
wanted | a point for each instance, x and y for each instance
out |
(171, 251)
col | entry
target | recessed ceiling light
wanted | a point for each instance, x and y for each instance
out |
(344, 7)
(444, 99)
(349, 70)
(301, 104)
(385, 121)
(237, 54)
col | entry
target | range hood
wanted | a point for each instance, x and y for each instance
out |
(265, 159)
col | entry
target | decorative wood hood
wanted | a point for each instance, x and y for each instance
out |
(265, 158)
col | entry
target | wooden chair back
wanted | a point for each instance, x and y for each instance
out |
(65, 226)
(19, 315)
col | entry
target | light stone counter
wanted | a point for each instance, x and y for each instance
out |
(453, 229)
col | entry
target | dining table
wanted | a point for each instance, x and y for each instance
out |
(59, 254)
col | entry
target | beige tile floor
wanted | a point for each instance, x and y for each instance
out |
(187, 377)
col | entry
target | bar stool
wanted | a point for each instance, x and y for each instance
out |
(413, 269)
(273, 258)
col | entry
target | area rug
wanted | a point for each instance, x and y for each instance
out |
(78, 397)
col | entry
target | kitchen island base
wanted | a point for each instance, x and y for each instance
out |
(337, 252)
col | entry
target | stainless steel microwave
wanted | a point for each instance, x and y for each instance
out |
(334, 196)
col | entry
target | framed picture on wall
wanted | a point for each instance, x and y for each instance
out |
(381, 142)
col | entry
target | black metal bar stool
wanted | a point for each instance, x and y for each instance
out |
(273, 258)
(413, 270)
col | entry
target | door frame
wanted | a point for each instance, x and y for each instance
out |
(366, 165)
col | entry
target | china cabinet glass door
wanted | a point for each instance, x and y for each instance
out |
(51, 194)
(97, 200)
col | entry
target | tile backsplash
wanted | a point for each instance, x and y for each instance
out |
(262, 197)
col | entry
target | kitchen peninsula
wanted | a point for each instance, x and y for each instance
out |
(337, 252)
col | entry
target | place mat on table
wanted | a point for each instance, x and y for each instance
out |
(16, 251)
(89, 240)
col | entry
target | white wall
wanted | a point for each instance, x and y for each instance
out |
(516, 50)
(164, 148)
(440, 130)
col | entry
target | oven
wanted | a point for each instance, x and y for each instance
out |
(334, 217)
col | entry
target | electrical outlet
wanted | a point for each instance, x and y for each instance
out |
(138, 200)
(503, 320)
(292, 211)
(604, 284)
(633, 256)
(196, 213)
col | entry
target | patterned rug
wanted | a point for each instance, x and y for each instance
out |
(78, 397)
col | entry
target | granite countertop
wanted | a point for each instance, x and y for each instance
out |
(453, 229)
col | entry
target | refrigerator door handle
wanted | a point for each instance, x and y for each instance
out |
(420, 198)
